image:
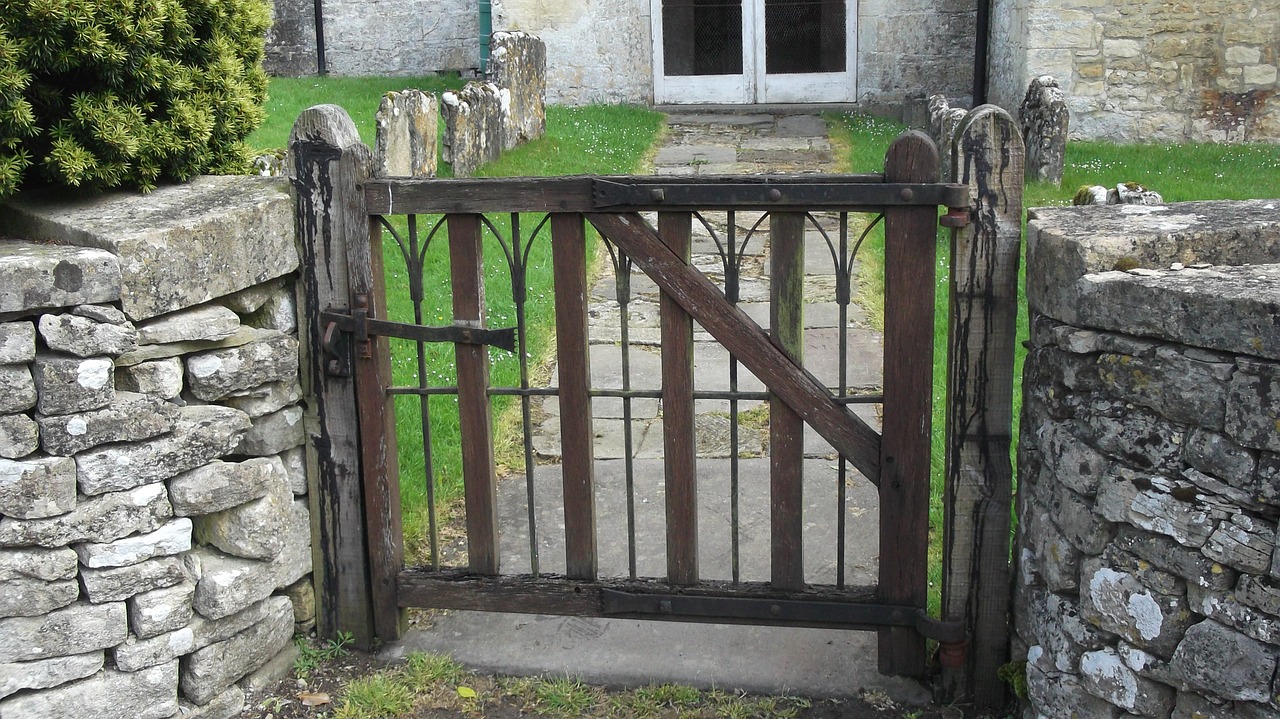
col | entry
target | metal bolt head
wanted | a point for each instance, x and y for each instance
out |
(775, 194)
(906, 194)
(658, 194)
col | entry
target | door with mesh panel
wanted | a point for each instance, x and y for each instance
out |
(747, 51)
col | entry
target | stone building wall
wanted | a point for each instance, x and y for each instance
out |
(596, 51)
(1146, 71)
(376, 37)
(1149, 462)
(913, 47)
(155, 542)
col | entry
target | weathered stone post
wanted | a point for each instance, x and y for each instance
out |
(987, 156)
(518, 64)
(1045, 121)
(405, 145)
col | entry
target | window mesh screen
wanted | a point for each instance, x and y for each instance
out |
(702, 37)
(803, 36)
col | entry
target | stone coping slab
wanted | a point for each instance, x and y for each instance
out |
(232, 232)
(1201, 273)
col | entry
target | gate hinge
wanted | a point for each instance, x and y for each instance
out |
(956, 217)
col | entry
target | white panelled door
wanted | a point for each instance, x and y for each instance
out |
(754, 51)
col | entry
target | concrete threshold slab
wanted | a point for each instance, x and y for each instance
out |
(631, 653)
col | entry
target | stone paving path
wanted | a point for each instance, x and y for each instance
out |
(625, 651)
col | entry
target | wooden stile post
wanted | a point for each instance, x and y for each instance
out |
(569, 255)
(329, 164)
(786, 429)
(475, 422)
(910, 258)
(680, 450)
(988, 157)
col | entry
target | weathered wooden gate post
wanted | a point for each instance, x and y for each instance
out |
(988, 157)
(330, 164)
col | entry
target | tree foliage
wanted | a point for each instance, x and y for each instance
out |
(108, 93)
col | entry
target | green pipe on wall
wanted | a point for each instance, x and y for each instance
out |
(486, 29)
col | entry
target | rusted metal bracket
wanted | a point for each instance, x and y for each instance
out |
(956, 217)
(779, 611)
(614, 195)
(344, 326)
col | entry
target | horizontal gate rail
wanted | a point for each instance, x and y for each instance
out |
(716, 602)
(854, 193)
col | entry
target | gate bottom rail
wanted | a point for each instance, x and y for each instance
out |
(709, 602)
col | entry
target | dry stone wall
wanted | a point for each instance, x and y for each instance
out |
(1146, 71)
(484, 119)
(1149, 462)
(155, 544)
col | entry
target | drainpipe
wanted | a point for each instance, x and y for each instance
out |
(321, 67)
(486, 29)
(980, 52)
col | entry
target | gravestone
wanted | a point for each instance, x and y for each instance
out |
(405, 145)
(1045, 121)
(475, 126)
(518, 64)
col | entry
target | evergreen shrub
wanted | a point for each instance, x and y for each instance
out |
(128, 93)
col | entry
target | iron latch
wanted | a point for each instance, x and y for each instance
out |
(343, 326)
(779, 611)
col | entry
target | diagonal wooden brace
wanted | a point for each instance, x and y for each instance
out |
(750, 344)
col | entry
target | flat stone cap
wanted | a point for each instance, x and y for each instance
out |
(1205, 274)
(179, 245)
(35, 276)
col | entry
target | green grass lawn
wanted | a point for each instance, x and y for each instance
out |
(1180, 172)
(289, 96)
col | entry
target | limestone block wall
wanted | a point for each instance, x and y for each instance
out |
(375, 37)
(1149, 462)
(1146, 71)
(596, 51)
(915, 46)
(155, 544)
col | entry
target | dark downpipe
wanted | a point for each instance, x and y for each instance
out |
(980, 52)
(321, 67)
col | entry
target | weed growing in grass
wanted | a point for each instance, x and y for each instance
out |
(375, 697)
(313, 653)
(423, 671)
(564, 697)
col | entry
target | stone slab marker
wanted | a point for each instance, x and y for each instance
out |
(518, 64)
(406, 135)
(1045, 121)
(474, 126)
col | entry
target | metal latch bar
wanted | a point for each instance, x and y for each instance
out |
(612, 195)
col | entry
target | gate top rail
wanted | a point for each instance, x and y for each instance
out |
(587, 193)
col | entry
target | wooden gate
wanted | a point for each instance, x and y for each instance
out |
(344, 216)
